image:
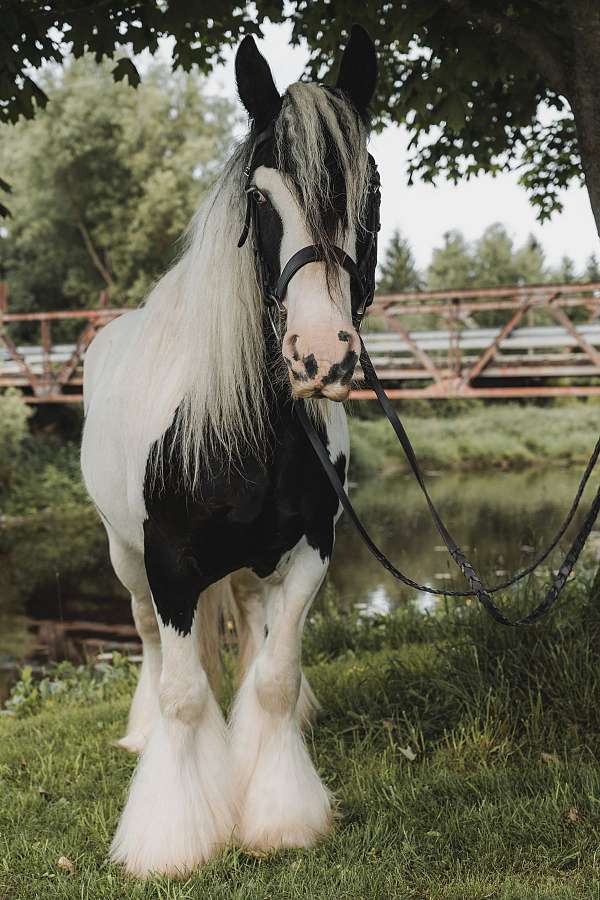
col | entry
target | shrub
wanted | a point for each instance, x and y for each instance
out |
(65, 684)
(14, 415)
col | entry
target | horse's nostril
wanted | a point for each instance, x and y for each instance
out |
(289, 347)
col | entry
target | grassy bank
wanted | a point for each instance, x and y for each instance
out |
(465, 759)
(475, 436)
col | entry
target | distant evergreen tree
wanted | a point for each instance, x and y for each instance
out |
(452, 265)
(398, 270)
(529, 263)
(565, 272)
(494, 262)
(592, 269)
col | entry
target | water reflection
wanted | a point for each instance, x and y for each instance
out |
(57, 567)
(501, 518)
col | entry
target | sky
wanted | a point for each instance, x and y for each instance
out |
(425, 212)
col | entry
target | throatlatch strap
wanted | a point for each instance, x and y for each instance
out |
(477, 590)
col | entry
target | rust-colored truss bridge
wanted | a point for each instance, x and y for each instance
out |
(524, 341)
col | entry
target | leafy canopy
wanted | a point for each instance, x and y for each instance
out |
(490, 261)
(466, 76)
(105, 180)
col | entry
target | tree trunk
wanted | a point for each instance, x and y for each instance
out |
(585, 93)
(585, 102)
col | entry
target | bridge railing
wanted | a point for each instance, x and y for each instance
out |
(49, 372)
(517, 341)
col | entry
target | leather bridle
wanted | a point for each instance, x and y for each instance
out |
(361, 272)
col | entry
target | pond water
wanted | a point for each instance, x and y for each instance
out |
(56, 568)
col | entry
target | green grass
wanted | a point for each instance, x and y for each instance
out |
(477, 436)
(501, 799)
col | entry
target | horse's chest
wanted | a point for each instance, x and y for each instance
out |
(245, 516)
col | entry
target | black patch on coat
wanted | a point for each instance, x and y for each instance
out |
(268, 239)
(310, 364)
(249, 515)
(298, 376)
(342, 371)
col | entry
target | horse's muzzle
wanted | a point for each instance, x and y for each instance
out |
(337, 392)
(322, 368)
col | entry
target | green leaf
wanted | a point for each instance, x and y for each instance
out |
(453, 110)
(126, 69)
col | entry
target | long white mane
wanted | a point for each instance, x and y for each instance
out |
(199, 361)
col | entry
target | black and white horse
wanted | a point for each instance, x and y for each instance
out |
(209, 489)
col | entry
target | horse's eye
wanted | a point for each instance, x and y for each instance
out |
(257, 196)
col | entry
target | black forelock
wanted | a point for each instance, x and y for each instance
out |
(329, 206)
(330, 211)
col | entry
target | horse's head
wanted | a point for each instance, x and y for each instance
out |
(308, 180)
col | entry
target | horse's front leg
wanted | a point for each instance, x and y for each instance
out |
(179, 810)
(249, 601)
(281, 800)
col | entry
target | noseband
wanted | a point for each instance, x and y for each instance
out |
(362, 272)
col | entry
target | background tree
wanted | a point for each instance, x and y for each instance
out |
(592, 269)
(104, 182)
(471, 78)
(452, 265)
(494, 258)
(529, 264)
(490, 261)
(398, 271)
(498, 262)
(565, 273)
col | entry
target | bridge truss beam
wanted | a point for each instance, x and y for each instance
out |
(523, 341)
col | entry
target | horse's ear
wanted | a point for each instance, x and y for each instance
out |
(358, 69)
(255, 84)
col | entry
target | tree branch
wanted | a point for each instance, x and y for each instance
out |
(544, 53)
(94, 255)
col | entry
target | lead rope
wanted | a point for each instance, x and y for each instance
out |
(477, 589)
(273, 295)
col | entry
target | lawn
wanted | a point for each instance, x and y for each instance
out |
(464, 758)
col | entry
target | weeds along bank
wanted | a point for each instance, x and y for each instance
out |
(471, 435)
(464, 758)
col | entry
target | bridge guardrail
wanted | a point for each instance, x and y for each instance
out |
(546, 342)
